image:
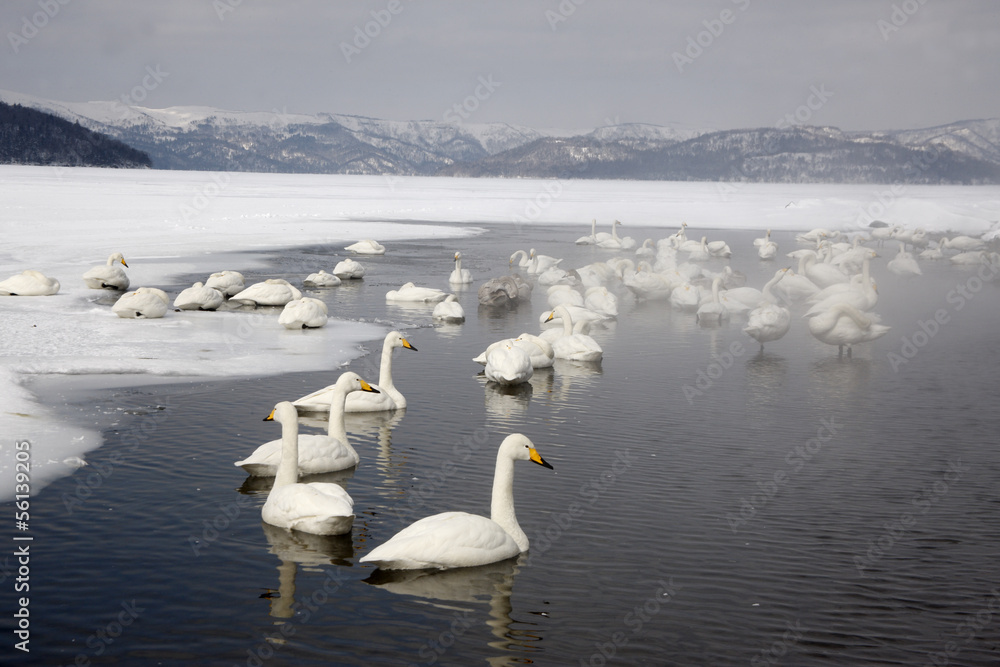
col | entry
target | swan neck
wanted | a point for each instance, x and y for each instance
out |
(567, 320)
(502, 506)
(385, 367)
(288, 466)
(335, 427)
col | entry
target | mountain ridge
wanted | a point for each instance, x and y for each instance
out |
(205, 138)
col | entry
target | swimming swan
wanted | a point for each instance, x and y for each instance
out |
(460, 539)
(573, 346)
(29, 283)
(410, 293)
(349, 269)
(507, 364)
(108, 276)
(460, 276)
(386, 398)
(449, 310)
(320, 508)
(317, 453)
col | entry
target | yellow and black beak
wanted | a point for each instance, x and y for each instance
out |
(551, 316)
(123, 263)
(537, 458)
(367, 387)
(407, 345)
(270, 417)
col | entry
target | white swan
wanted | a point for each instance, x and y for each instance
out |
(449, 310)
(349, 269)
(460, 276)
(321, 279)
(271, 292)
(844, 325)
(962, 243)
(507, 364)
(903, 264)
(367, 247)
(227, 282)
(601, 300)
(317, 453)
(570, 345)
(319, 508)
(304, 313)
(563, 295)
(592, 239)
(615, 242)
(144, 303)
(700, 252)
(767, 323)
(460, 539)
(388, 397)
(539, 350)
(199, 297)
(685, 296)
(969, 257)
(861, 293)
(768, 250)
(410, 293)
(108, 276)
(29, 283)
(765, 239)
(822, 274)
(712, 310)
(541, 263)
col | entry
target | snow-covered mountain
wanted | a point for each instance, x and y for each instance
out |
(204, 138)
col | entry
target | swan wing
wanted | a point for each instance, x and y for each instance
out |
(317, 454)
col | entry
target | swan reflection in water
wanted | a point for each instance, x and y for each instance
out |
(491, 584)
(766, 375)
(294, 548)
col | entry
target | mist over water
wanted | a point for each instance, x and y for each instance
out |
(709, 503)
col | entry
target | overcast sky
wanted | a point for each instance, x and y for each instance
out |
(855, 64)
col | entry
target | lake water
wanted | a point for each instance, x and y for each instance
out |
(709, 505)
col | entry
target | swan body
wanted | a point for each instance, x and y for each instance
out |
(768, 250)
(304, 313)
(199, 297)
(932, 253)
(507, 364)
(317, 453)
(385, 397)
(108, 276)
(969, 257)
(227, 282)
(563, 295)
(768, 322)
(700, 253)
(822, 274)
(29, 283)
(319, 508)
(962, 243)
(367, 247)
(460, 276)
(449, 310)
(685, 297)
(903, 264)
(321, 279)
(843, 325)
(504, 290)
(271, 292)
(570, 345)
(538, 348)
(144, 303)
(410, 293)
(460, 539)
(555, 276)
(601, 300)
(349, 269)
(766, 238)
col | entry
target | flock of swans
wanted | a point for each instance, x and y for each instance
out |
(832, 286)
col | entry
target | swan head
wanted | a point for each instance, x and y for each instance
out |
(518, 447)
(283, 413)
(117, 258)
(351, 381)
(396, 339)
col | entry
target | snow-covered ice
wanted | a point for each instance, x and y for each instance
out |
(62, 221)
